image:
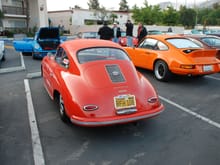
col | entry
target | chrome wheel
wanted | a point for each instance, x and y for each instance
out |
(62, 111)
(161, 71)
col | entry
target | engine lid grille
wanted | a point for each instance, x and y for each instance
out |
(115, 73)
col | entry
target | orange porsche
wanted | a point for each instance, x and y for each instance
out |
(173, 54)
(96, 84)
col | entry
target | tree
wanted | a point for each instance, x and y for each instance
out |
(123, 5)
(93, 4)
(187, 17)
(170, 16)
(148, 15)
(113, 17)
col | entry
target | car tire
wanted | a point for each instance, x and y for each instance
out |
(33, 56)
(161, 71)
(62, 110)
(3, 58)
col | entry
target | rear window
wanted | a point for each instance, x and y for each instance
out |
(182, 43)
(101, 53)
(211, 41)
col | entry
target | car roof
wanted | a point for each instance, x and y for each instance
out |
(164, 36)
(77, 44)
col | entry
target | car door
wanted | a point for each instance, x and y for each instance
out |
(52, 69)
(146, 53)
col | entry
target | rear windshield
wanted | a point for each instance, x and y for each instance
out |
(183, 43)
(101, 53)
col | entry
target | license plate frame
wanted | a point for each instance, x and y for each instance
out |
(124, 101)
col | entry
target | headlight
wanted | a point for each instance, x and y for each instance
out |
(36, 46)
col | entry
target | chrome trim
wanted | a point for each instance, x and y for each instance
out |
(103, 123)
(126, 111)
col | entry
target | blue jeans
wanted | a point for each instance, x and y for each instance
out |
(129, 41)
(115, 39)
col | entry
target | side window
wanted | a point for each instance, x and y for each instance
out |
(161, 46)
(149, 43)
(61, 58)
(58, 55)
(64, 60)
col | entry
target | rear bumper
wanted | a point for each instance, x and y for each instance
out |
(199, 70)
(96, 122)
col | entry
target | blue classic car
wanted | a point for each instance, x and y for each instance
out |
(46, 40)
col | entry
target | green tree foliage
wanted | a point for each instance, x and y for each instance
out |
(187, 17)
(123, 5)
(148, 15)
(93, 4)
(170, 16)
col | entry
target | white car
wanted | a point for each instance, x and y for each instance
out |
(2, 50)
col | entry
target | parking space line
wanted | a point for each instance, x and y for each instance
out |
(36, 142)
(205, 119)
(33, 75)
(13, 69)
(212, 77)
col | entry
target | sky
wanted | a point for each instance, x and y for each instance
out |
(53, 5)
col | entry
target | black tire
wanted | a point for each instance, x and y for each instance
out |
(33, 56)
(3, 58)
(62, 110)
(161, 71)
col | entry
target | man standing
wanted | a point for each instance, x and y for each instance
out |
(116, 32)
(129, 33)
(142, 32)
(105, 32)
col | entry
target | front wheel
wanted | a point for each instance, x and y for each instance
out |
(62, 110)
(161, 71)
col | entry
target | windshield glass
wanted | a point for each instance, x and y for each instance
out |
(101, 53)
(183, 43)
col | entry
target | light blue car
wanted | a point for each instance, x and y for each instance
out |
(46, 40)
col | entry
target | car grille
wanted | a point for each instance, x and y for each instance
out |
(115, 73)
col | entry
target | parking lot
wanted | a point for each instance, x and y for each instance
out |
(186, 133)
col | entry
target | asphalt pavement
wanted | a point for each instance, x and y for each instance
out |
(31, 132)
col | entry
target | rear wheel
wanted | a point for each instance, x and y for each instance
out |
(62, 110)
(161, 71)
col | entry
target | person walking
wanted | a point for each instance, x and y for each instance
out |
(142, 32)
(129, 33)
(116, 32)
(105, 32)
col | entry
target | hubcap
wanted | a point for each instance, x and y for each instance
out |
(61, 106)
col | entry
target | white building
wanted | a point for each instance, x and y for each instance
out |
(16, 13)
(74, 19)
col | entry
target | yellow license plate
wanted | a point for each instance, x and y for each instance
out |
(124, 101)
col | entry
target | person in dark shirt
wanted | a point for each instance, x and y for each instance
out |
(142, 32)
(129, 33)
(105, 32)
